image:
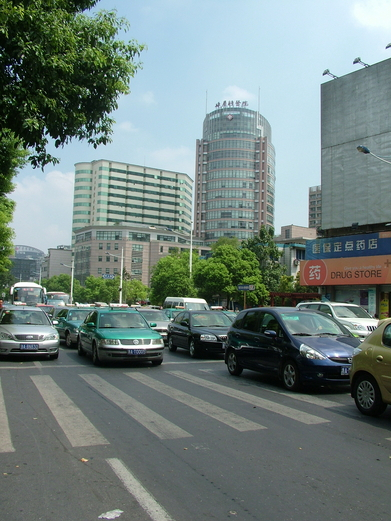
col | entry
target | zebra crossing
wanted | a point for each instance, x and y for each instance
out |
(80, 431)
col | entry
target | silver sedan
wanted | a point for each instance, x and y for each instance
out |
(27, 331)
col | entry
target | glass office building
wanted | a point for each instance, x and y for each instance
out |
(235, 174)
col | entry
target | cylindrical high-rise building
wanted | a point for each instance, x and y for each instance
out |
(235, 174)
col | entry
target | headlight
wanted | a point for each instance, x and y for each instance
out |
(6, 336)
(358, 327)
(207, 337)
(309, 352)
(108, 342)
(52, 336)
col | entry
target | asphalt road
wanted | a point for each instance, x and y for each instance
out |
(184, 441)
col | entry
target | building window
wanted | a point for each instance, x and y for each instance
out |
(107, 258)
(101, 245)
(108, 246)
(99, 271)
(116, 245)
(100, 258)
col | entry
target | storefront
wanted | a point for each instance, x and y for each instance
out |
(355, 268)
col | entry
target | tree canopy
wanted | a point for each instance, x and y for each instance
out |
(61, 73)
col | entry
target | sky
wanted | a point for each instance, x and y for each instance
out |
(271, 53)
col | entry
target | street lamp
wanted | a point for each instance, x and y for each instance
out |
(365, 150)
(72, 267)
(191, 248)
(328, 73)
(358, 60)
(121, 275)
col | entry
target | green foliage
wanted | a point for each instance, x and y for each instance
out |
(225, 270)
(134, 291)
(171, 277)
(268, 256)
(230, 241)
(61, 73)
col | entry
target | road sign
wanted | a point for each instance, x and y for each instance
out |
(108, 276)
(246, 287)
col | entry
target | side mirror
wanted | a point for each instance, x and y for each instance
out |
(271, 333)
(152, 324)
(55, 322)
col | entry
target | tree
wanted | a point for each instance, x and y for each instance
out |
(228, 267)
(171, 277)
(61, 73)
(268, 256)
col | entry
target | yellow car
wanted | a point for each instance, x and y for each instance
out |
(370, 374)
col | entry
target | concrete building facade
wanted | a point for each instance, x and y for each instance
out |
(99, 250)
(53, 262)
(350, 261)
(109, 192)
(315, 207)
(235, 174)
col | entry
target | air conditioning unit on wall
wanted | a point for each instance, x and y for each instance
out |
(296, 262)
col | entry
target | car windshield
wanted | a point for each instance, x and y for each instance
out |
(309, 324)
(78, 316)
(217, 319)
(24, 316)
(122, 320)
(350, 312)
(154, 316)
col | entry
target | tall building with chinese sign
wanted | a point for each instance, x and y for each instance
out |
(235, 174)
(352, 259)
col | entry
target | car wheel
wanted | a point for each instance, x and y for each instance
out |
(233, 365)
(171, 346)
(291, 376)
(367, 395)
(95, 355)
(54, 357)
(80, 350)
(157, 362)
(192, 349)
(68, 341)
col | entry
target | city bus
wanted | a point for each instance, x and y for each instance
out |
(28, 293)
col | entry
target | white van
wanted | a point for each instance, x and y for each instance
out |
(185, 303)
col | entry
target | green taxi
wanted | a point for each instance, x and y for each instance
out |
(119, 334)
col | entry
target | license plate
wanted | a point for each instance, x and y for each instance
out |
(136, 351)
(29, 347)
(345, 370)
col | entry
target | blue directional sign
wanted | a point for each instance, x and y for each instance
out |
(246, 287)
(108, 276)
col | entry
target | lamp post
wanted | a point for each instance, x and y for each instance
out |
(121, 274)
(72, 267)
(365, 150)
(191, 249)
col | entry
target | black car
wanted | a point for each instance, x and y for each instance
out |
(297, 345)
(199, 332)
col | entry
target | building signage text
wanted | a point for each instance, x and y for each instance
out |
(230, 104)
(349, 246)
(334, 272)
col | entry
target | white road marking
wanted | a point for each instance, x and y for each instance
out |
(155, 511)
(228, 418)
(77, 428)
(152, 421)
(269, 405)
(5, 434)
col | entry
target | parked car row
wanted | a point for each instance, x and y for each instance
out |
(300, 346)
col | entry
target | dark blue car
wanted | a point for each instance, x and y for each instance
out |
(299, 346)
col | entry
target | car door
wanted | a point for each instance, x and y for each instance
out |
(245, 339)
(382, 359)
(179, 329)
(87, 332)
(272, 342)
(61, 318)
